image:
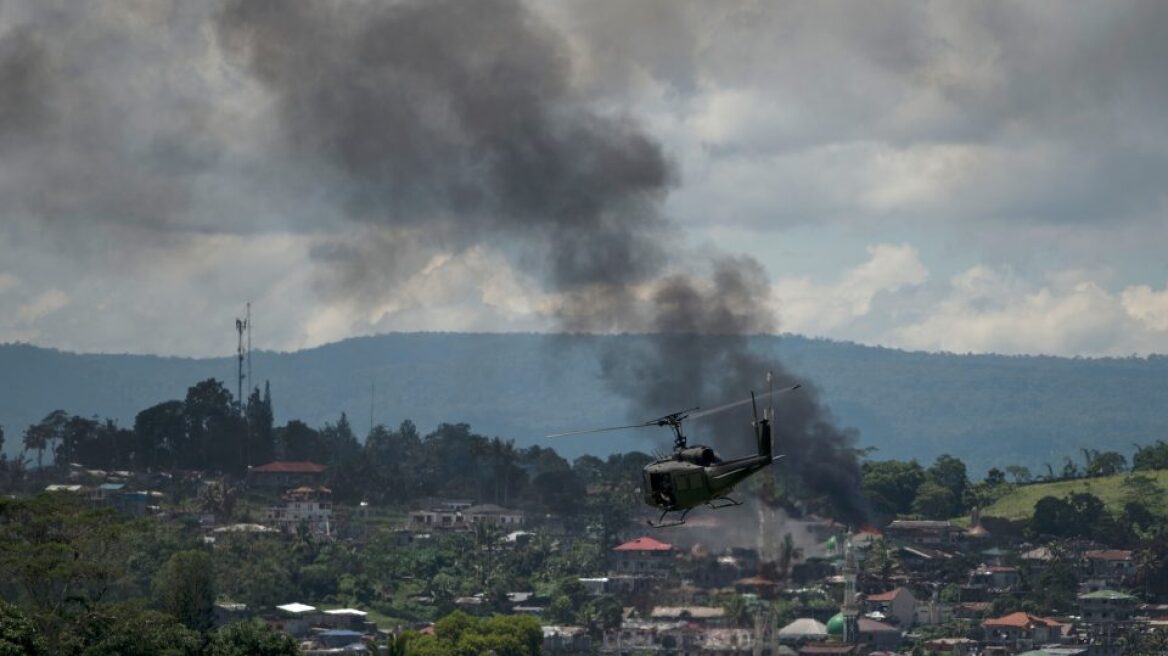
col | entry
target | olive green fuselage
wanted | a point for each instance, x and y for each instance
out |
(680, 482)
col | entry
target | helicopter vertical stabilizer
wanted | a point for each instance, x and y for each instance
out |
(763, 429)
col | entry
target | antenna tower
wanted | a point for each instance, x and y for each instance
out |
(240, 327)
(248, 321)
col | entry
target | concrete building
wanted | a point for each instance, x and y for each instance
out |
(489, 513)
(308, 506)
(898, 605)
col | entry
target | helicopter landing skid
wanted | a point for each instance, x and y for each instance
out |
(661, 523)
(727, 502)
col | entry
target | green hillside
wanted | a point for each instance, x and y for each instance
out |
(988, 410)
(1019, 504)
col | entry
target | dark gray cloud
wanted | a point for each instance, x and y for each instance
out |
(458, 122)
(100, 121)
(377, 136)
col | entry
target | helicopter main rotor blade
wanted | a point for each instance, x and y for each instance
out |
(599, 430)
(735, 404)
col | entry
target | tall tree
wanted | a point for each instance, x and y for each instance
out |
(78, 438)
(45, 434)
(1020, 473)
(950, 473)
(299, 441)
(160, 435)
(18, 635)
(215, 432)
(260, 427)
(253, 638)
(127, 629)
(1151, 456)
(185, 588)
(1107, 463)
(891, 485)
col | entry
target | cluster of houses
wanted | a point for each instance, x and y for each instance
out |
(873, 612)
(112, 489)
(913, 586)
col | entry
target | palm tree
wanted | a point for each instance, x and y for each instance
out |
(486, 537)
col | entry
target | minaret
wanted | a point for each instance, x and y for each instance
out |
(851, 607)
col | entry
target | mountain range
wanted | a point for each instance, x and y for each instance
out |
(988, 410)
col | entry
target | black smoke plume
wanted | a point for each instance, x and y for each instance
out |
(445, 124)
(449, 124)
(699, 351)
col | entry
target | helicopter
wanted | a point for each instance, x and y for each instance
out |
(695, 475)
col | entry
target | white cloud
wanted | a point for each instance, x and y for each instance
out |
(805, 306)
(8, 281)
(474, 290)
(1072, 313)
(42, 306)
(1147, 306)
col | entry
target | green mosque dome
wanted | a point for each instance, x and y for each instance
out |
(835, 626)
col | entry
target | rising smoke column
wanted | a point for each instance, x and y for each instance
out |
(445, 125)
(448, 124)
(699, 348)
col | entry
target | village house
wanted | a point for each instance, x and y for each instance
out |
(643, 557)
(898, 605)
(870, 633)
(566, 640)
(1106, 568)
(925, 533)
(951, 646)
(345, 618)
(710, 616)
(994, 578)
(1108, 615)
(458, 516)
(285, 474)
(489, 513)
(435, 518)
(295, 619)
(1106, 607)
(1021, 631)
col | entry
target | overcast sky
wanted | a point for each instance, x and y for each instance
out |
(985, 177)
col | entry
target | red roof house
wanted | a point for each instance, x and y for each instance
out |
(643, 557)
(286, 474)
(1021, 631)
(644, 544)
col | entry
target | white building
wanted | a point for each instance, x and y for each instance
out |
(312, 507)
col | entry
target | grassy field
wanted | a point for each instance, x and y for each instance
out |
(1019, 504)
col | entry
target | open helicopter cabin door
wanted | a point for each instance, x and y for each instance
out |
(661, 489)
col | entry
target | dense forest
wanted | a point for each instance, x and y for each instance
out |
(1034, 410)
